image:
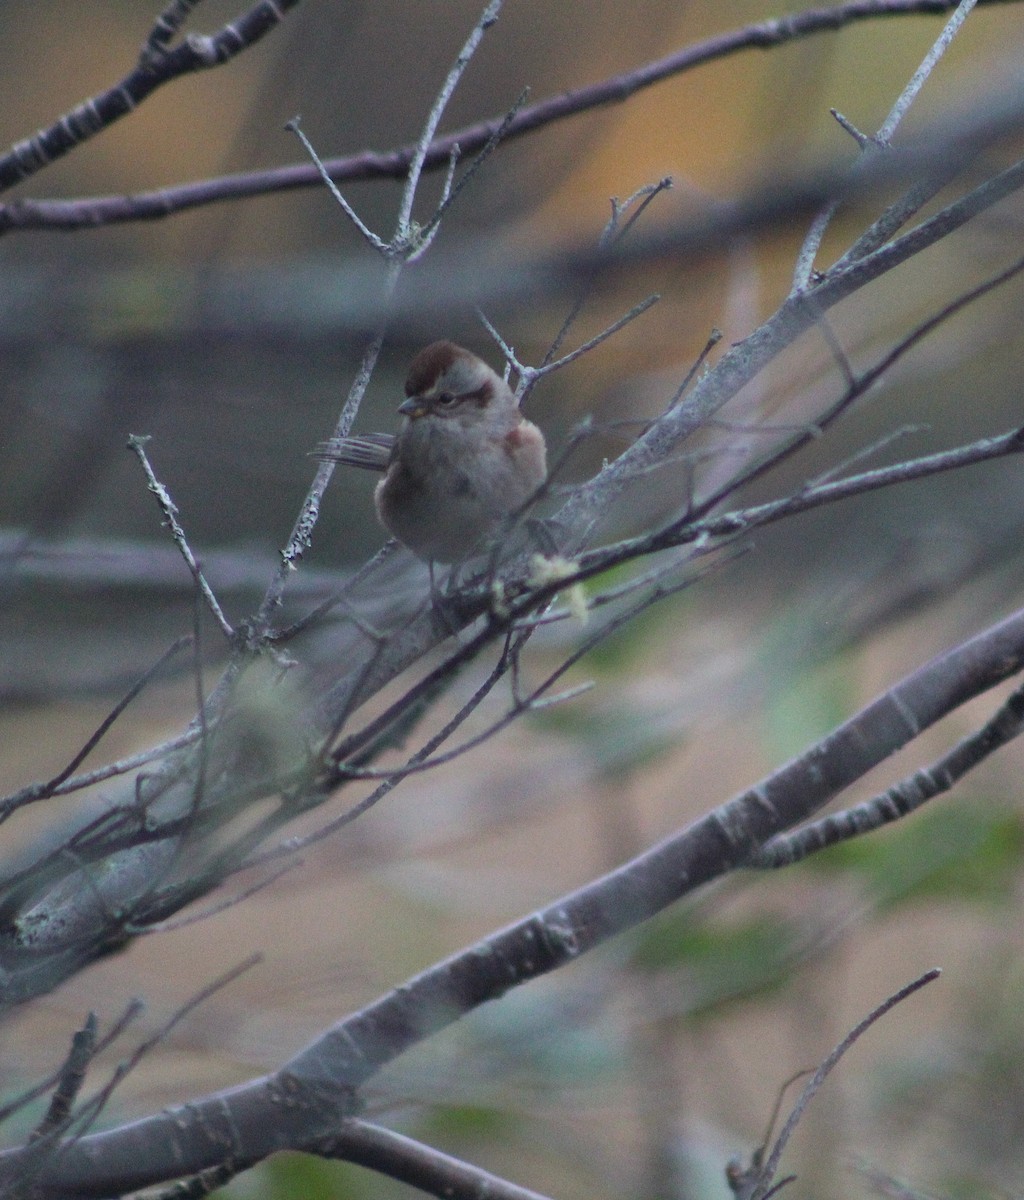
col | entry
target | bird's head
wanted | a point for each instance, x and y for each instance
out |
(445, 379)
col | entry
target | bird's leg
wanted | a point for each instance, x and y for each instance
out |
(541, 536)
(439, 599)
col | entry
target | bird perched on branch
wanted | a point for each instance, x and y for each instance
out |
(464, 460)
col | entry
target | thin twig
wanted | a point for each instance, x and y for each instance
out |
(213, 910)
(425, 234)
(882, 140)
(823, 1071)
(42, 791)
(610, 595)
(865, 452)
(713, 339)
(90, 1110)
(72, 1076)
(340, 597)
(302, 531)
(637, 310)
(530, 376)
(382, 247)
(294, 845)
(611, 235)
(167, 506)
(909, 93)
(75, 783)
(862, 383)
(522, 705)
(744, 520)
(451, 194)
(902, 798)
(131, 1011)
(487, 18)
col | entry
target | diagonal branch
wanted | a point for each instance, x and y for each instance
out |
(301, 1104)
(400, 1157)
(157, 65)
(137, 445)
(902, 798)
(881, 141)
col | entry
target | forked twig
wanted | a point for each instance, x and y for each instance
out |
(882, 140)
(903, 797)
(757, 1181)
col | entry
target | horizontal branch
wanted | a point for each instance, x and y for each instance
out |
(808, 498)
(92, 212)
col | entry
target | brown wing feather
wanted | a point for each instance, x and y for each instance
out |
(370, 451)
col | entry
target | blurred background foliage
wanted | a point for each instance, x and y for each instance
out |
(230, 334)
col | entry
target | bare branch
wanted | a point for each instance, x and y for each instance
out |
(352, 1051)
(612, 234)
(343, 770)
(87, 1039)
(71, 904)
(74, 783)
(530, 376)
(155, 68)
(52, 787)
(214, 909)
(72, 1076)
(450, 193)
(302, 531)
(881, 141)
(426, 139)
(367, 234)
(902, 798)
(423, 1167)
(858, 386)
(137, 445)
(764, 1186)
(698, 532)
(90, 213)
(96, 1103)
(909, 93)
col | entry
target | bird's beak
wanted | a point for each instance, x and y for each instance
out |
(413, 407)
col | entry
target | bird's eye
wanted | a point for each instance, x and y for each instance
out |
(446, 399)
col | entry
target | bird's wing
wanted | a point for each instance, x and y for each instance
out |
(371, 451)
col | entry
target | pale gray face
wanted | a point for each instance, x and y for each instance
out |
(445, 380)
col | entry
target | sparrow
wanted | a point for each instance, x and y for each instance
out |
(464, 459)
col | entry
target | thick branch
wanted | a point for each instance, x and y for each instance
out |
(299, 1105)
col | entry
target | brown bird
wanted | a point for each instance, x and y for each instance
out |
(464, 459)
